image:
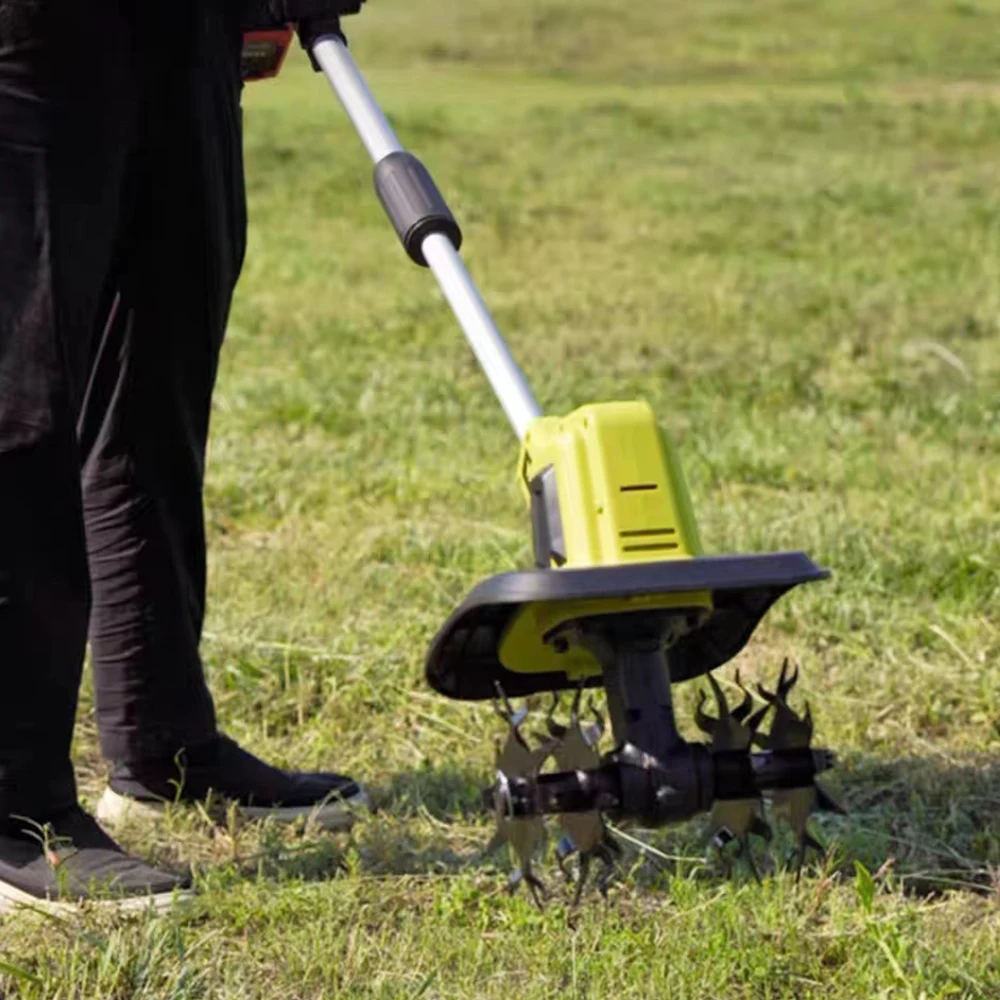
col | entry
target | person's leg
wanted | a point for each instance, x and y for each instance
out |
(144, 424)
(66, 108)
(144, 430)
(60, 174)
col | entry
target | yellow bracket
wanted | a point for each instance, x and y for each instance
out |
(530, 645)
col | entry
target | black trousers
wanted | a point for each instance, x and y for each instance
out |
(122, 233)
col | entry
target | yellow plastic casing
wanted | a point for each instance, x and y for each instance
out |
(622, 498)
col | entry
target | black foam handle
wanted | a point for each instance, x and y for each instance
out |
(413, 203)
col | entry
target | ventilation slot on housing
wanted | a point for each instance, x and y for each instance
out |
(660, 540)
(639, 488)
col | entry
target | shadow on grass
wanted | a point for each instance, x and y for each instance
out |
(418, 820)
(933, 825)
(444, 792)
(935, 822)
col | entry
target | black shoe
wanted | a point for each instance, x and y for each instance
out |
(222, 768)
(69, 860)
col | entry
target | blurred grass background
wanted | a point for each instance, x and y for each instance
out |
(777, 222)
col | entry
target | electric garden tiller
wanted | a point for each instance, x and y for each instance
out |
(621, 596)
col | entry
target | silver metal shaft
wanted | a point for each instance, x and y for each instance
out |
(484, 338)
(349, 85)
(477, 324)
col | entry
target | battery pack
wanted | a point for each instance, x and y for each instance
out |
(264, 52)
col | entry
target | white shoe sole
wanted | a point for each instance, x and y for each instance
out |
(12, 899)
(114, 809)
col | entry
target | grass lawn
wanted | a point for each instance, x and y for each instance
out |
(779, 222)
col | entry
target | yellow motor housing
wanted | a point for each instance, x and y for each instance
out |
(605, 488)
(622, 495)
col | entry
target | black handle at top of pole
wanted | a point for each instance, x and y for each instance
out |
(312, 29)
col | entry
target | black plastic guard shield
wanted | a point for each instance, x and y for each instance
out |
(463, 661)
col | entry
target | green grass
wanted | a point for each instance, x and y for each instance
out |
(777, 222)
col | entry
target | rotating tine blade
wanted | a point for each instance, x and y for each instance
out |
(789, 731)
(557, 731)
(514, 758)
(733, 730)
(584, 833)
(595, 730)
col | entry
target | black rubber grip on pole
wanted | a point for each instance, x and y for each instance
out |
(413, 203)
(312, 29)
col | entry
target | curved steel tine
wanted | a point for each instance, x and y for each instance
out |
(537, 888)
(782, 675)
(507, 711)
(760, 828)
(556, 729)
(516, 734)
(574, 712)
(743, 709)
(704, 722)
(824, 800)
(785, 685)
(595, 712)
(769, 696)
(720, 698)
(757, 718)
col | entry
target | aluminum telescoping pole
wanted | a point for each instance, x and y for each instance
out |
(436, 248)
